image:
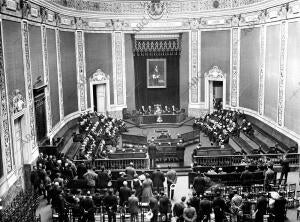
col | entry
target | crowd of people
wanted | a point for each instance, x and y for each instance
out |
(238, 205)
(52, 176)
(151, 110)
(131, 192)
(97, 134)
(221, 124)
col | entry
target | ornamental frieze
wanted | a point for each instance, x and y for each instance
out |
(134, 7)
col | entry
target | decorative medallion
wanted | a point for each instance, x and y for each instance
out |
(99, 76)
(155, 9)
(215, 74)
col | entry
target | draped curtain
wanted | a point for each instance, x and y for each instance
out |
(149, 96)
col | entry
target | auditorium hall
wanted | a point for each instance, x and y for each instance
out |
(149, 110)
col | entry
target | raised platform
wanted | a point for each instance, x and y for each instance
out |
(165, 125)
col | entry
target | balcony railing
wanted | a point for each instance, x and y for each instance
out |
(232, 160)
(118, 164)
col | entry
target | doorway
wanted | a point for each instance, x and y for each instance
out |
(215, 89)
(100, 92)
(99, 97)
(217, 94)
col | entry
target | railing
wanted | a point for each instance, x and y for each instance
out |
(118, 164)
(133, 139)
(231, 160)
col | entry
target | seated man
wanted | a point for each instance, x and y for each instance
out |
(167, 110)
(173, 109)
(143, 110)
(149, 110)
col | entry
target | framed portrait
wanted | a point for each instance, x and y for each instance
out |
(156, 73)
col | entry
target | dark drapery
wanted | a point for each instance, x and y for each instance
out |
(163, 96)
(40, 115)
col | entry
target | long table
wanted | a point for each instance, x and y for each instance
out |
(166, 118)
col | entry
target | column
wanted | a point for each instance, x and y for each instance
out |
(81, 71)
(282, 78)
(235, 67)
(262, 70)
(5, 118)
(46, 78)
(59, 76)
(28, 84)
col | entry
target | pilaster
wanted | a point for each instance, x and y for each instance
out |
(194, 80)
(282, 78)
(235, 69)
(59, 75)
(28, 84)
(46, 78)
(81, 71)
(261, 88)
(5, 118)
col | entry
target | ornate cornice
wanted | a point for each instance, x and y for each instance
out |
(136, 16)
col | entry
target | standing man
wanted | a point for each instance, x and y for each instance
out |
(130, 171)
(152, 150)
(133, 207)
(171, 179)
(180, 148)
(199, 184)
(189, 213)
(285, 169)
(158, 179)
(111, 203)
(124, 194)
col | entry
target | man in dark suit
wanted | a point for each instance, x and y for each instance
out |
(279, 208)
(219, 207)
(152, 150)
(158, 179)
(262, 205)
(130, 171)
(205, 208)
(285, 169)
(164, 206)
(199, 184)
(178, 210)
(195, 202)
(153, 205)
(124, 193)
(88, 206)
(133, 207)
(246, 177)
(103, 178)
(111, 203)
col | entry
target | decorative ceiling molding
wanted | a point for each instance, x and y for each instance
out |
(113, 17)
